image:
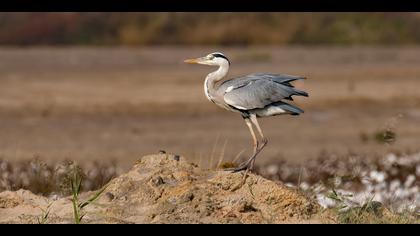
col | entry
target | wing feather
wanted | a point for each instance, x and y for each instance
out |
(259, 90)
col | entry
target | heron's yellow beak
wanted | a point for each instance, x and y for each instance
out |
(192, 61)
(200, 60)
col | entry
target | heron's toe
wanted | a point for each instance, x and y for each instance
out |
(264, 141)
(244, 166)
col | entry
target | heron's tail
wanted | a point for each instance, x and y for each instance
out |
(293, 110)
(291, 91)
(278, 108)
(300, 93)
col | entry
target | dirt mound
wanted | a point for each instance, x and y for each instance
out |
(165, 188)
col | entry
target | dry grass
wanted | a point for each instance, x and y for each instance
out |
(54, 180)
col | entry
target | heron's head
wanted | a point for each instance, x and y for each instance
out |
(213, 59)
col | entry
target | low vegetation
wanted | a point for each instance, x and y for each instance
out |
(42, 219)
(356, 185)
(368, 212)
(55, 180)
(78, 205)
(209, 28)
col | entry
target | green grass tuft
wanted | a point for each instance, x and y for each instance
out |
(78, 206)
(42, 219)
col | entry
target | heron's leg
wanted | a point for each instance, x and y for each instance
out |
(246, 164)
(255, 122)
(254, 138)
(264, 140)
(250, 163)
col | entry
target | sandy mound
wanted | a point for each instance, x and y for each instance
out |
(166, 189)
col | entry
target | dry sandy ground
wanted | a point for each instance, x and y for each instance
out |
(167, 189)
(120, 103)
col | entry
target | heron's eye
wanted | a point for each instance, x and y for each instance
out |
(210, 57)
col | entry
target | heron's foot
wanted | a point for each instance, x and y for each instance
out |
(249, 164)
(244, 166)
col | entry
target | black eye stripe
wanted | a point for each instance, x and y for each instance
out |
(220, 55)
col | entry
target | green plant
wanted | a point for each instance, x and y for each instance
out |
(341, 199)
(370, 212)
(78, 206)
(385, 136)
(42, 219)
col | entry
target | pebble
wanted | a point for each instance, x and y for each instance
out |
(157, 181)
(109, 196)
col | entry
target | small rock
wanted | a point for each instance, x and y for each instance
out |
(54, 197)
(109, 196)
(189, 196)
(157, 181)
(176, 157)
(247, 207)
(162, 152)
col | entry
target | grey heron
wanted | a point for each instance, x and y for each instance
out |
(252, 96)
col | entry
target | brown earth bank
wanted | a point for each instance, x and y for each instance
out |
(165, 188)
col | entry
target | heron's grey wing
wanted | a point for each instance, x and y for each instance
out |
(278, 78)
(259, 90)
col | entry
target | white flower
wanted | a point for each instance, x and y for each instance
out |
(391, 158)
(361, 197)
(409, 181)
(324, 201)
(272, 169)
(291, 185)
(401, 193)
(366, 181)
(377, 176)
(304, 186)
(380, 186)
(378, 197)
(394, 185)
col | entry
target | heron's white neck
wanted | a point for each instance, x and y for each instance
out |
(213, 78)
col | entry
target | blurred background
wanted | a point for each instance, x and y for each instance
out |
(113, 86)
